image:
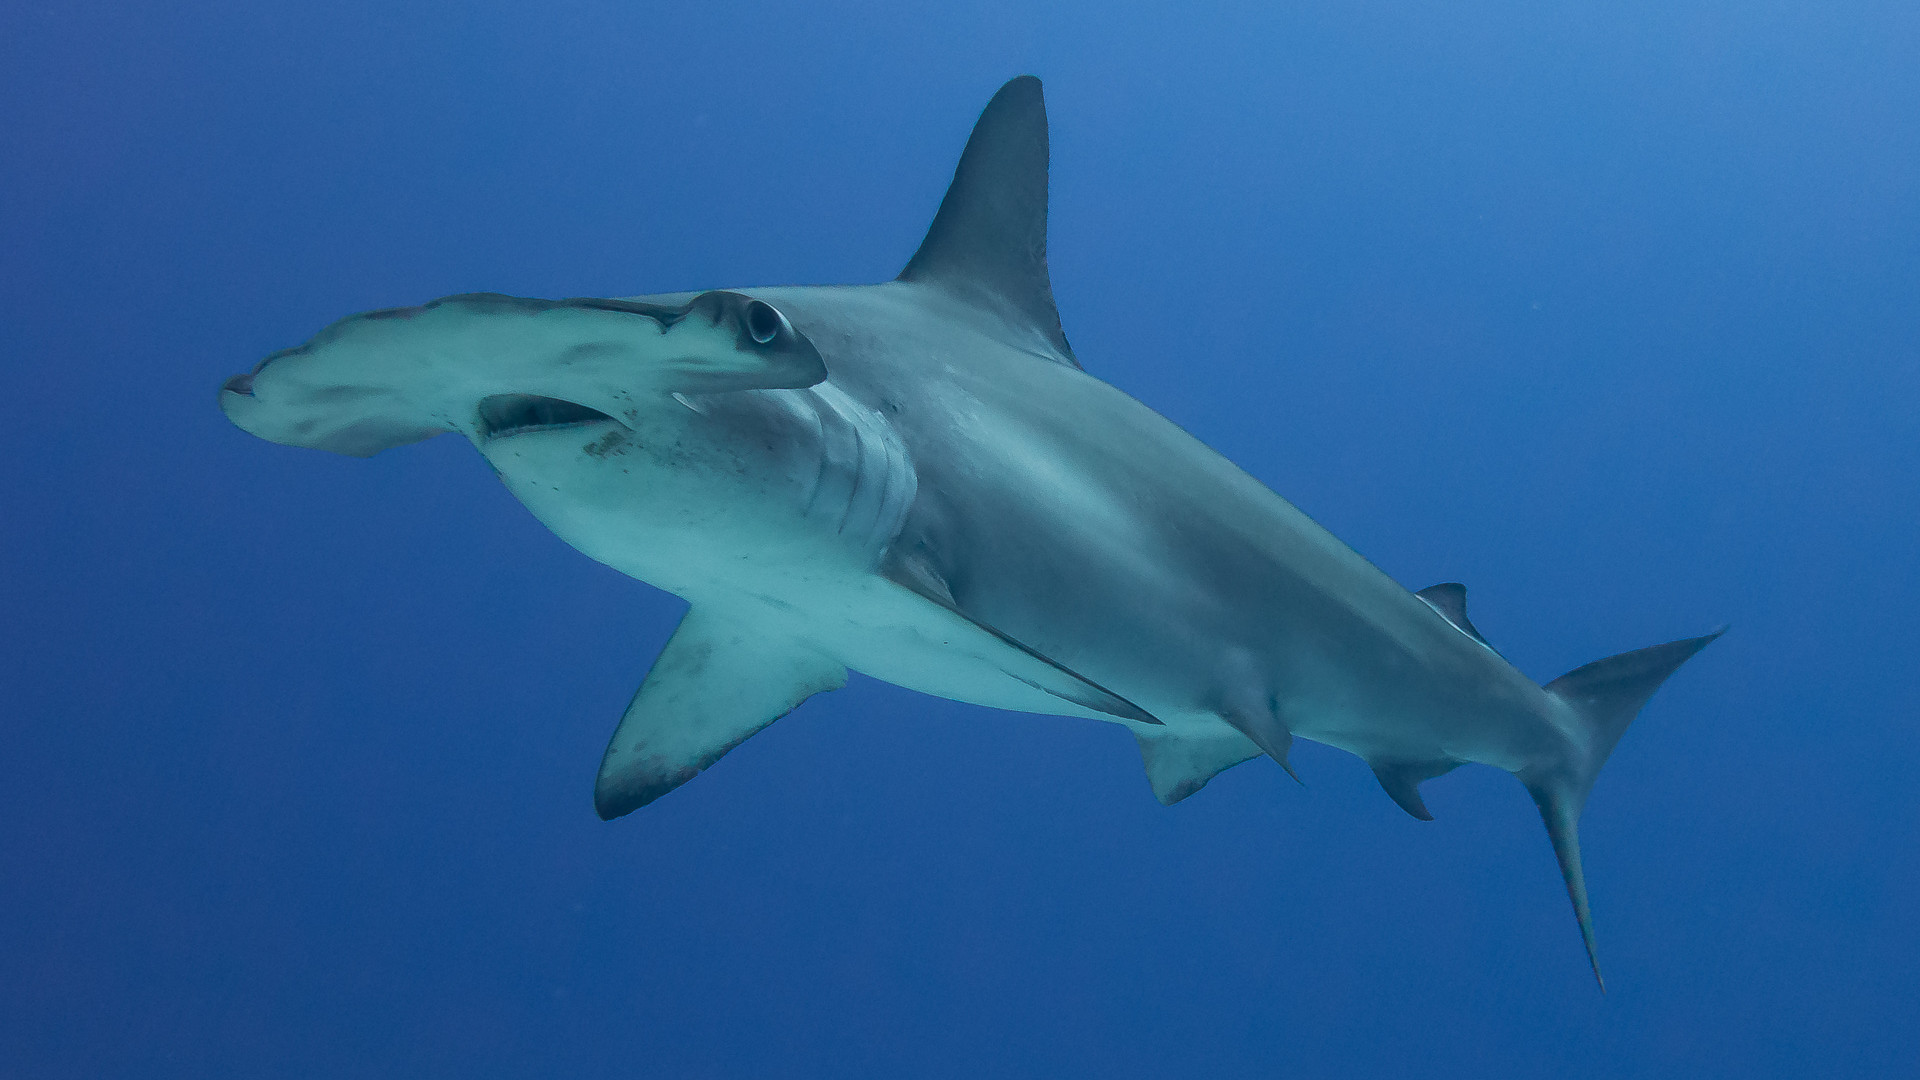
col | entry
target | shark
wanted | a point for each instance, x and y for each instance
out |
(918, 481)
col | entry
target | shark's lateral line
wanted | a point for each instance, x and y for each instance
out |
(916, 480)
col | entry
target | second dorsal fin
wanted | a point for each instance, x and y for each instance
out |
(1449, 598)
(988, 243)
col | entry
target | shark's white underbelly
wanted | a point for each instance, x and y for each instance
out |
(794, 553)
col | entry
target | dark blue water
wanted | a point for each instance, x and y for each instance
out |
(1608, 311)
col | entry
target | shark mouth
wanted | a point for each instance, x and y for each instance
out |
(516, 414)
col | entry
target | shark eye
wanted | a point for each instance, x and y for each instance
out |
(764, 322)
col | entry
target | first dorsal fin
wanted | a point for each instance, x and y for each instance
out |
(988, 243)
(1449, 598)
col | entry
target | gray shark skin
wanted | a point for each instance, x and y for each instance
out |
(917, 480)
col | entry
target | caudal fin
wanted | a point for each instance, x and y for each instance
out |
(1604, 697)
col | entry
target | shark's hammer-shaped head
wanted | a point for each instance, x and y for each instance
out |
(495, 367)
(676, 438)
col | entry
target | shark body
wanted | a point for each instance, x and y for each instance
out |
(917, 480)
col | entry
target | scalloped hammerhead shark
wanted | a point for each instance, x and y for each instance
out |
(918, 481)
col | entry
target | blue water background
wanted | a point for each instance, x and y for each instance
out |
(1607, 310)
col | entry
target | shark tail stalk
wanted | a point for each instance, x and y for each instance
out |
(1602, 698)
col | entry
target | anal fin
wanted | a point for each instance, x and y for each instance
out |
(1402, 781)
(715, 684)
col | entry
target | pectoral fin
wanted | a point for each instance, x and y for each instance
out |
(715, 684)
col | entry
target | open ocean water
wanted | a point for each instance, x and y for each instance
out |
(1609, 310)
